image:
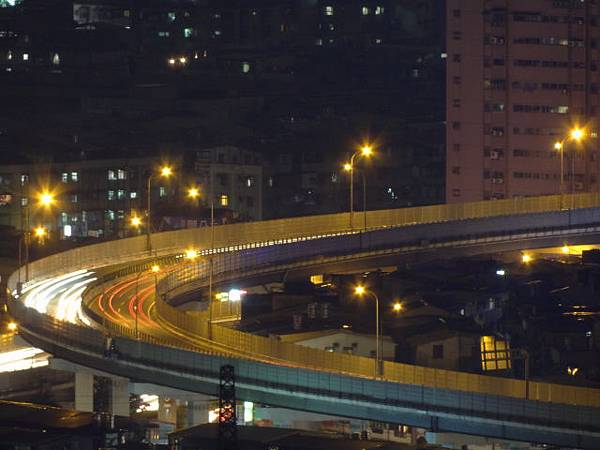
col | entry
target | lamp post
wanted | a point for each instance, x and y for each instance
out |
(165, 172)
(365, 151)
(194, 193)
(360, 291)
(576, 134)
(45, 199)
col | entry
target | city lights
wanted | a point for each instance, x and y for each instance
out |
(166, 171)
(193, 192)
(577, 134)
(526, 258)
(12, 326)
(40, 232)
(191, 254)
(46, 199)
(359, 290)
(366, 150)
(155, 268)
(565, 249)
(136, 221)
(558, 146)
(397, 307)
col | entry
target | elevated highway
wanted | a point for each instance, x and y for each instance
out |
(286, 375)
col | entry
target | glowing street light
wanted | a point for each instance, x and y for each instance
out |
(193, 192)
(565, 249)
(526, 258)
(577, 134)
(135, 221)
(166, 171)
(40, 233)
(46, 198)
(12, 326)
(397, 307)
(361, 291)
(155, 268)
(191, 254)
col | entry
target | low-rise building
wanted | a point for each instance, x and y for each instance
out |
(344, 341)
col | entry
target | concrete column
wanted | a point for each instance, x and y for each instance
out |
(119, 397)
(84, 392)
(197, 412)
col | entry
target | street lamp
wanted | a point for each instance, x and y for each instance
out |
(135, 221)
(577, 135)
(361, 291)
(397, 307)
(165, 172)
(365, 151)
(45, 199)
(194, 194)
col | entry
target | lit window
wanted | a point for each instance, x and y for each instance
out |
(74, 198)
(111, 175)
(163, 34)
(224, 200)
(328, 10)
(56, 59)
(111, 195)
(249, 181)
(64, 177)
(24, 201)
(172, 16)
(25, 56)
(365, 11)
(120, 194)
(188, 32)
(245, 67)
(24, 179)
(9, 55)
(121, 174)
(379, 10)
(75, 176)
(133, 195)
(162, 191)
(319, 41)
(126, 13)
(110, 214)
(64, 217)
(217, 32)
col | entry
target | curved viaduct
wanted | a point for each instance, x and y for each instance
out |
(185, 351)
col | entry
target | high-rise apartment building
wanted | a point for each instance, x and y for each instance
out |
(520, 74)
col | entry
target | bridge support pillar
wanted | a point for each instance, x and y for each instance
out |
(197, 412)
(119, 397)
(84, 392)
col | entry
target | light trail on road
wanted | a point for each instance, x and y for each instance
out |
(60, 296)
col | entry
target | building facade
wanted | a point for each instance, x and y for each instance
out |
(91, 198)
(233, 179)
(520, 75)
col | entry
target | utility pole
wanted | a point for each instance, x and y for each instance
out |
(227, 437)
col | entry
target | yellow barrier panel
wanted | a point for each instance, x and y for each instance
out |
(235, 236)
